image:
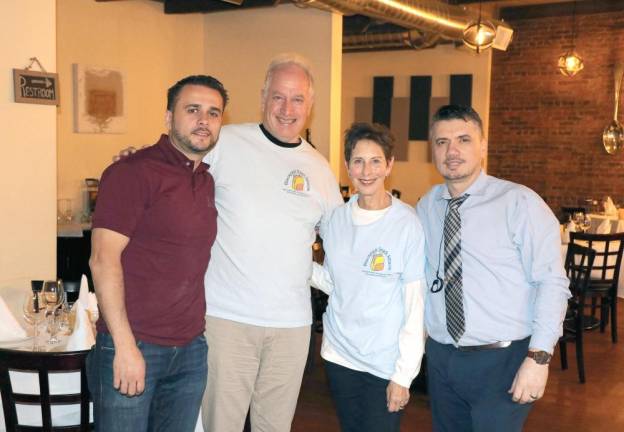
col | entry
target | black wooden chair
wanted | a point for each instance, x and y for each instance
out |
(603, 284)
(43, 363)
(579, 262)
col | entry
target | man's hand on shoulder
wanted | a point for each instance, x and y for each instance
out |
(529, 383)
(124, 153)
(129, 370)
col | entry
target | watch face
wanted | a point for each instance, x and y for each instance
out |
(540, 357)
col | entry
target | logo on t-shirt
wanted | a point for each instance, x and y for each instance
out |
(297, 183)
(378, 262)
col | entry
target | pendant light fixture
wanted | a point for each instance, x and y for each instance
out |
(479, 35)
(570, 63)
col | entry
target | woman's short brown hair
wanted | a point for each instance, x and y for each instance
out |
(374, 132)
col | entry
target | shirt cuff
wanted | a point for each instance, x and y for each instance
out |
(402, 380)
(542, 342)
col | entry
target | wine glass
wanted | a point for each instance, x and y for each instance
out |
(53, 297)
(65, 210)
(578, 218)
(64, 312)
(34, 312)
(586, 223)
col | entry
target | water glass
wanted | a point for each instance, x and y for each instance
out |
(578, 218)
(53, 297)
(64, 210)
(586, 224)
(34, 312)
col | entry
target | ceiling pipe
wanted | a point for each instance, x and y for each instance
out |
(411, 39)
(448, 21)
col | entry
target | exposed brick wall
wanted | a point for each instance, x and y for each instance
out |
(546, 129)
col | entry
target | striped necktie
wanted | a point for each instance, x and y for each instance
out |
(453, 294)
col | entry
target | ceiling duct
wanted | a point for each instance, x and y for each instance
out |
(428, 16)
(411, 39)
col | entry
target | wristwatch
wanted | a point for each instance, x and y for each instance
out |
(540, 357)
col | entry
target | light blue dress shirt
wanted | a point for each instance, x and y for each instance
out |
(514, 283)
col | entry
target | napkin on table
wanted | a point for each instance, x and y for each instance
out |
(86, 298)
(82, 337)
(10, 329)
(609, 207)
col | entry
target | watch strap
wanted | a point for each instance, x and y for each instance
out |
(540, 357)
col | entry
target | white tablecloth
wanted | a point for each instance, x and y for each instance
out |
(60, 383)
(617, 225)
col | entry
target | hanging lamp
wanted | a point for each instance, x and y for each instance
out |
(479, 35)
(570, 63)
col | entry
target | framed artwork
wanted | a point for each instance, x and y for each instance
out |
(99, 100)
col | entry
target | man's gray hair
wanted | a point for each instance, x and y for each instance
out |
(287, 59)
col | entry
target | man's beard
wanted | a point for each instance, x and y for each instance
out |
(187, 144)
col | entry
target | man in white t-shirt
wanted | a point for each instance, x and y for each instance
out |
(272, 190)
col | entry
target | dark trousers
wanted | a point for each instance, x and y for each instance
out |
(360, 400)
(468, 389)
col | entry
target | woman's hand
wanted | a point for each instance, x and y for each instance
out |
(397, 396)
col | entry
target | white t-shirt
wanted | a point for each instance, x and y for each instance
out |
(270, 200)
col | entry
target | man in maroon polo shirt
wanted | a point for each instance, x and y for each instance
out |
(154, 225)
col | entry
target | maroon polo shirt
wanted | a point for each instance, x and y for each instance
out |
(167, 210)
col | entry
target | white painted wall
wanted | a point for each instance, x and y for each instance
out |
(415, 176)
(28, 137)
(153, 49)
(239, 46)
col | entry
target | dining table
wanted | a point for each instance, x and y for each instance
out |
(25, 382)
(617, 224)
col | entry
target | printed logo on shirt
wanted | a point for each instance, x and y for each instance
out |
(378, 263)
(297, 183)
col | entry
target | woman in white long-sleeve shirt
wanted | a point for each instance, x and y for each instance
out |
(374, 275)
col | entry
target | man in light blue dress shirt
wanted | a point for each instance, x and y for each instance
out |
(513, 289)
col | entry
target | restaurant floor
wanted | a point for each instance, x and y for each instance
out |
(597, 405)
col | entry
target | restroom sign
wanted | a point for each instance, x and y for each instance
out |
(35, 87)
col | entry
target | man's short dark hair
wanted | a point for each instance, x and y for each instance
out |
(200, 80)
(375, 132)
(457, 112)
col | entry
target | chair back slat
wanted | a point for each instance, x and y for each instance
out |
(609, 249)
(43, 363)
(8, 404)
(578, 264)
(44, 391)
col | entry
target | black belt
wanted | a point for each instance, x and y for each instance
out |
(491, 346)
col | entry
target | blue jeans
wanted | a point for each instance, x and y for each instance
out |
(175, 380)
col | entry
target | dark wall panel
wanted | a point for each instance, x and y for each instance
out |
(435, 104)
(383, 89)
(420, 94)
(461, 90)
